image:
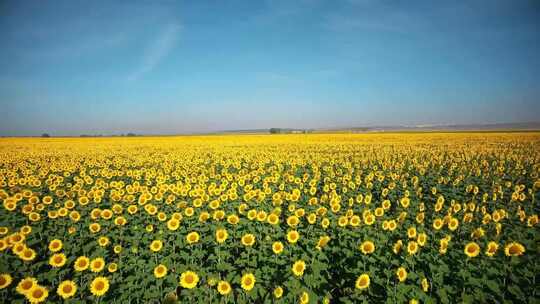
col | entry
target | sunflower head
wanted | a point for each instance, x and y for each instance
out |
(514, 249)
(472, 249)
(223, 287)
(248, 281)
(362, 282)
(298, 268)
(67, 289)
(99, 286)
(189, 279)
(160, 271)
(401, 274)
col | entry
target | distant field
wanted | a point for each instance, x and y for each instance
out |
(399, 217)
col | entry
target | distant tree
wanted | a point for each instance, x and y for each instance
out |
(131, 134)
(275, 130)
(45, 135)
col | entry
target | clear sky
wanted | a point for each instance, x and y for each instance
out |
(73, 67)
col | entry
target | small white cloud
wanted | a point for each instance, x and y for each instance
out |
(157, 51)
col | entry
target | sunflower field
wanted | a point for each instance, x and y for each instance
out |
(314, 218)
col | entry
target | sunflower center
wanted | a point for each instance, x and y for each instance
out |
(37, 293)
(100, 285)
(67, 288)
(189, 279)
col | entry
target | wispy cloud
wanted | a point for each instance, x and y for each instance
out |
(157, 50)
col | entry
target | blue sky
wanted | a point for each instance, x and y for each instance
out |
(164, 67)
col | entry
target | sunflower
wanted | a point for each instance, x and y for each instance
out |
(397, 246)
(323, 241)
(277, 247)
(422, 238)
(97, 265)
(278, 292)
(192, 237)
(28, 254)
(26, 285)
(425, 285)
(5, 280)
(362, 282)
(95, 227)
(248, 239)
(293, 236)
(367, 247)
(298, 268)
(99, 286)
(160, 271)
(492, 248)
(412, 247)
(401, 274)
(67, 289)
(117, 249)
(221, 235)
(57, 260)
(273, 219)
(81, 263)
(113, 267)
(453, 224)
(514, 249)
(247, 281)
(55, 245)
(472, 249)
(37, 294)
(173, 224)
(304, 298)
(103, 241)
(224, 288)
(189, 279)
(156, 245)
(411, 232)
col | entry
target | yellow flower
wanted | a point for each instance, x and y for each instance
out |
(97, 265)
(26, 285)
(99, 286)
(293, 236)
(298, 268)
(248, 281)
(5, 280)
(277, 247)
(323, 241)
(113, 267)
(304, 298)
(192, 237)
(156, 245)
(514, 249)
(248, 239)
(278, 292)
(37, 295)
(160, 271)
(55, 245)
(67, 289)
(401, 274)
(57, 260)
(492, 248)
(221, 235)
(362, 282)
(425, 285)
(28, 254)
(472, 249)
(367, 247)
(224, 288)
(81, 263)
(412, 247)
(189, 279)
